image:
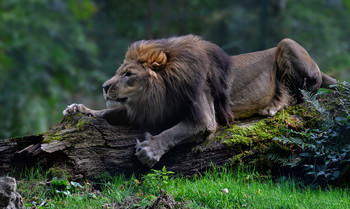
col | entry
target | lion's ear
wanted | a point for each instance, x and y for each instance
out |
(157, 61)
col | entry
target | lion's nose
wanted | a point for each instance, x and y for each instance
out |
(106, 87)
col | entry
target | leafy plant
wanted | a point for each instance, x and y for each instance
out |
(64, 187)
(343, 88)
(324, 152)
(157, 179)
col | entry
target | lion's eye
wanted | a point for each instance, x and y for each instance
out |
(128, 74)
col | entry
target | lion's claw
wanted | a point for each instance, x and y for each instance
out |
(137, 147)
(74, 108)
(147, 152)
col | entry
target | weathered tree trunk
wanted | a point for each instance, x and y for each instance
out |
(87, 146)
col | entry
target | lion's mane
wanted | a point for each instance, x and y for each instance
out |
(184, 69)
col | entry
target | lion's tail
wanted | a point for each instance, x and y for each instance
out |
(327, 81)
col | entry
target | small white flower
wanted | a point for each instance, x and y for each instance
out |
(224, 190)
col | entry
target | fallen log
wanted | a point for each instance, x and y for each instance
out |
(87, 146)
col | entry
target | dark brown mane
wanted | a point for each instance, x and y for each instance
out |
(186, 67)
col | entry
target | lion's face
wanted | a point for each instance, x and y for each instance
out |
(129, 84)
(125, 86)
(135, 78)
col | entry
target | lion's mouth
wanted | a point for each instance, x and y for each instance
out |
(116, 99)
(115, 102)
(123, 99)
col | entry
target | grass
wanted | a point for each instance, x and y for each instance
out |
(250, 190)
(218, 188)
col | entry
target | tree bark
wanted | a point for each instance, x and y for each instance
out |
(86, 146)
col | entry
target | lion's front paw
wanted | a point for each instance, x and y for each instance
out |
(148, 151)
(73, 108)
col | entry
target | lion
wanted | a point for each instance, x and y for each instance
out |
(182, 88)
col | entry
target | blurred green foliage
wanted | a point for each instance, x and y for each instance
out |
(45, 56)
(56, 52)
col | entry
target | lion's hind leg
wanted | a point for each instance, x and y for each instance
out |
(296, 70)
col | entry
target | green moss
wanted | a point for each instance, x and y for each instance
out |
(70, 123)
(82, 122)
(240, 158)
(294, 118)
(50, 137)
(262, 130)
(252, 139)
(240, 139)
